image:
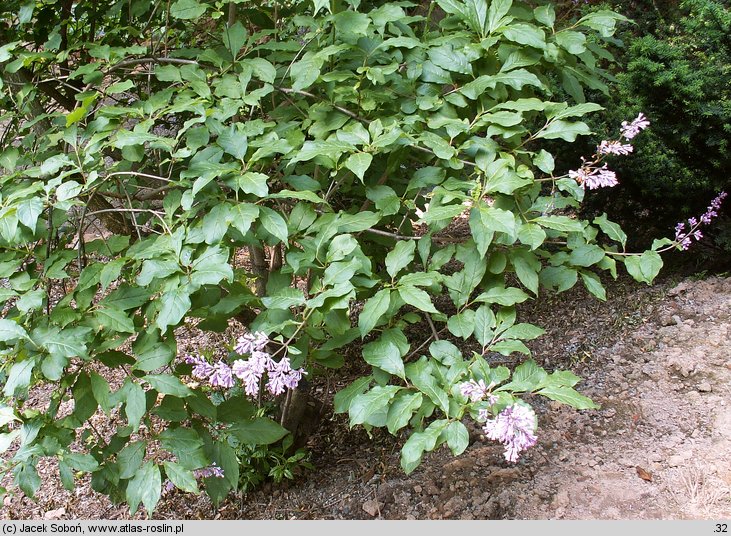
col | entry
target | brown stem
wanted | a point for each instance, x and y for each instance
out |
(259, 267)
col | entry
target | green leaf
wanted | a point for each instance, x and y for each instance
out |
(449, 59)
(484, 325)
(168, 385)
(572, 42)
(19, 377)
(260, 431)
(181, 477)
(185, 443)
(523, 331)
(567, 395)
(320, 4)
(373, 309)
(497, 219)
(187, 9)
(457, 436)
(81, 462)
(440, 213)
(544, 161)
(363, 406)
(586, 255)
(10, 331)
(340, 272)
(417, 298)
(611, 229)
(340, 247)
(352, 23)
(565, 130)
(243, 215)
(496, 14)
(526, 266)
(304, 73)
(284, 299)
(114, 319)
(274, 223)
(594, 285)
(420, 442)
(359, 163)
(234, 38)
(503, 296)
(211, 267)
(516, 79)
(420, 374)
(136, 405)
(27, 479)
(400, 256)
(145, 487)
(6, 440)
(29, 210)
(130, 458)
(462, 324)
(402, 407)
(545, 15)
(531, 235)
(526, 34)
(175, 304)
(560, 223)
(234, 142)
(384, 355)
(343, 398)
(645, 267)
(110, 272)
(253, 183)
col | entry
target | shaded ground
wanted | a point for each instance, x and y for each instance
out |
(657, 359)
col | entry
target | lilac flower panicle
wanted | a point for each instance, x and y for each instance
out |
(281, 376)
(600, 178)
(221, 376)
(212, 471)
(684, 238)
(630, 130)
(614, 147)
(474, 390)
(515, 428)
(202, 369)
(251, 342)
(247, 373)
(580, 175)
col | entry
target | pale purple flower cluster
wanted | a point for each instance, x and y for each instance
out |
(251, 342)
(221, 376)
(614, 147)
(684, 235)
(473, 390)
(280, 374)
(595, 178)
(638, 124)
(514, 427)
(212, 471)
(202, 369)
(478, 390)
(589, 175)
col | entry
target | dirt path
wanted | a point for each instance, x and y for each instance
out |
(657, 359)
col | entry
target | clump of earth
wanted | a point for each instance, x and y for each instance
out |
(658, 361)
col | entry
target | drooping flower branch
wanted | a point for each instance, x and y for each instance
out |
(684, 235)
(591, 175)
(280, 374)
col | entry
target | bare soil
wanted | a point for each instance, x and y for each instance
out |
(657, 359)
